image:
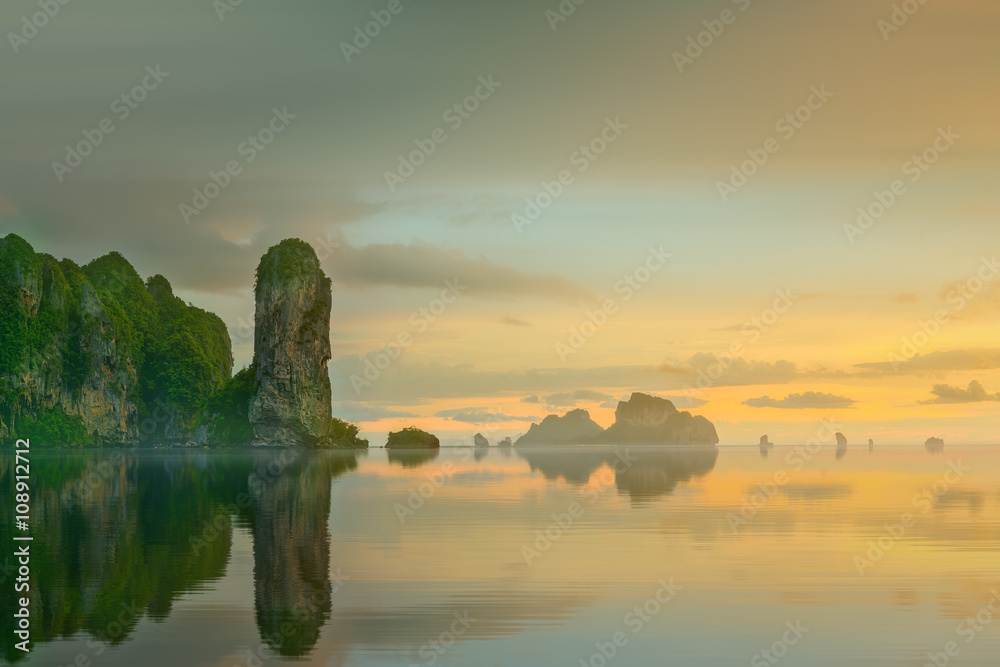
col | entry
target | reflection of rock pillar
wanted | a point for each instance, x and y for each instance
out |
(291, 549)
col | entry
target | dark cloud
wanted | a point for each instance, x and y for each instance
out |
(975, 393)
(479, 416)
(906, 298)
(514, 322)
(938, 362)
(366, 412)
(805, 401)
(571, 398)
(421, 265)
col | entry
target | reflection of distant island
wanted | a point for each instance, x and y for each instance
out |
(641, 472)
(841, 445)
(412, 458)
(643, 419)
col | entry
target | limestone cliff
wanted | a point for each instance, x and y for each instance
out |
(574, 427)
(94, 355)
(642, 420)
(651, 420)
(291, 399)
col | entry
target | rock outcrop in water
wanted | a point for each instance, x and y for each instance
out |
(651, 420)
(412, 438)
(841, 440)
(934, 444)
(575, 426)
(643, 419)
(291, 401)
(480, 440)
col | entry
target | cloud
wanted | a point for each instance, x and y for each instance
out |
(804, 401)
(422, 265)
(479, 416)
(905, 298)
(742, 372)
(514, 322)
(939, 362)
(944, 394)
(531, 399)
(685, 402)
(365, 412)
(568, 399)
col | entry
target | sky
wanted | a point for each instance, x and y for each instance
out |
(625, 192)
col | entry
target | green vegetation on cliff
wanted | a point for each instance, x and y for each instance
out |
(95, 355)
(98, 340)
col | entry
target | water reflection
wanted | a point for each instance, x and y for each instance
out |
(643, 473)
(229, 551)
(125, 534)
(412, 458)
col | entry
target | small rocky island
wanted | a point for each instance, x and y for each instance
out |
(412, 438)
(934, 444)
(643, 419)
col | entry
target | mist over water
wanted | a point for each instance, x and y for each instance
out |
(535, 556)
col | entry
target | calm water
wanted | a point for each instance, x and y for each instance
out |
(693, 557)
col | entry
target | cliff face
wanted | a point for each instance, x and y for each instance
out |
(574, 427)
(645, 419)
(94, 355)
(60, 366)
(291, 400)
(642, 420)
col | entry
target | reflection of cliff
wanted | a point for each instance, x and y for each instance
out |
(113, 542)
(412, 458)
(657, 472)
(121, 535)
(641, 472)
(292, 545)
